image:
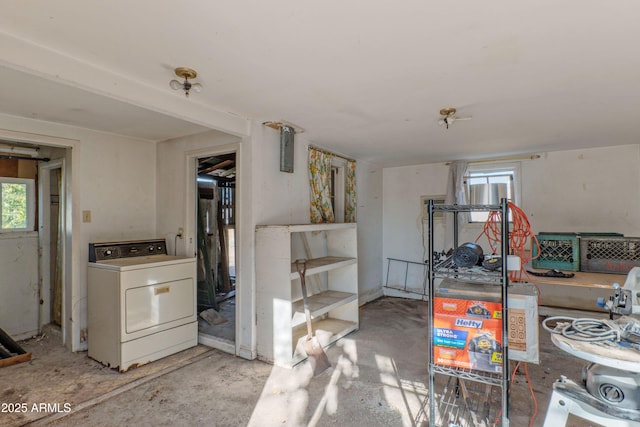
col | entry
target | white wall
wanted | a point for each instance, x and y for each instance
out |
(580, 190)
(279, 197)
(19, 284)
(584, 190)
(369, 187)
(401, 211)
(114, 178)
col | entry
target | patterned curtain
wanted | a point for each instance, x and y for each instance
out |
(320, 190)
(350, 193)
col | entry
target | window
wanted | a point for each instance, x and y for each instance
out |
(486, 184)
(17, 206)
(437, 200)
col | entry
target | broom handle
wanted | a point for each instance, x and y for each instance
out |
(301, 265)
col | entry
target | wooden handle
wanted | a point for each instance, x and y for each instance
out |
(301, 266)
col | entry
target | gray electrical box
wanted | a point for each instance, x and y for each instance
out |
(286, 148)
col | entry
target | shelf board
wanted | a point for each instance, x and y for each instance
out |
(320, 304)
(327, 331)
(319, 265)
(448, 270)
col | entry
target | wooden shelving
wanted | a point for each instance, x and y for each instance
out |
(331, 276)
(318, 265)
(320, 304)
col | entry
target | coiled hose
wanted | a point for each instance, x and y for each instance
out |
(583, 329)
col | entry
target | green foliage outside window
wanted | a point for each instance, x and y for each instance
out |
(14, 205)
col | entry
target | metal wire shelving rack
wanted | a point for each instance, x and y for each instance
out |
(451, 408)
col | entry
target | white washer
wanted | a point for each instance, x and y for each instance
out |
(141, 303)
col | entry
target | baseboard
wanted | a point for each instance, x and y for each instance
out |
(369, 296)
(398, 293)
(217, 343)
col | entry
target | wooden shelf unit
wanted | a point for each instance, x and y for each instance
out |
(332, 283)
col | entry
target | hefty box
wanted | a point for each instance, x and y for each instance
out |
(467, 334)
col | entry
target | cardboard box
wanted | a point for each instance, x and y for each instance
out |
(467, 334)
(468, 325)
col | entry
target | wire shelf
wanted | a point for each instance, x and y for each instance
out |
(466, 208)
(469, 397)
(469, 374)
(447, 269)
(463, 403)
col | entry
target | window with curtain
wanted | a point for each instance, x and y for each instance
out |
(486, 184)
(332, 187)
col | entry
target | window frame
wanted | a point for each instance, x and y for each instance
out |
(491, 169)
(30, 203)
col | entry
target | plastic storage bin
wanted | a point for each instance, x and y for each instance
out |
(561, 251)
(617, 255)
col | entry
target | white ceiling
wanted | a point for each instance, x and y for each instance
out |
(365, 78)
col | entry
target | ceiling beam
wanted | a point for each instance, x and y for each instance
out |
(25, 56)
(219, 165)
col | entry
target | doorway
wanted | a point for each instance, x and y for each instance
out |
(51, 235)
(216, 249)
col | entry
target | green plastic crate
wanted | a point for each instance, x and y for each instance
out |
(557, 250)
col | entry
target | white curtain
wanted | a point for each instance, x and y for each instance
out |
(455, 196)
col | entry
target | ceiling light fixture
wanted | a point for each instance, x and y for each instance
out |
(186, 85)
(450, 117)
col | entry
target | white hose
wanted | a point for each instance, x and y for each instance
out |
(583, 329)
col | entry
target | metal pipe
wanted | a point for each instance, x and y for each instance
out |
(504, 159)
(35, 159)
(432, 386)
(506, 371)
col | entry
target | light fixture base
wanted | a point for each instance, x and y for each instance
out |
(186, 73)
(447, 111)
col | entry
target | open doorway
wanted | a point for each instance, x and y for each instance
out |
(216, 248)
(51, 234)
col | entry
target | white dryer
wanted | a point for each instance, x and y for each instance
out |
(141, 303)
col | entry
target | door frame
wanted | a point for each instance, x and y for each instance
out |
(44, 233)
(71, 326)
(243, 287)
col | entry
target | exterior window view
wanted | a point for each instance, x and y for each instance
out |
(14, 206)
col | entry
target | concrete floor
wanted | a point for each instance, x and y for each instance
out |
(378, 378)
(223, 325)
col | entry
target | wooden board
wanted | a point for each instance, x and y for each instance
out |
(319, 265)
(6, 342)
(15, 359)
(320, 304)
(606, 354)
(579, 292)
